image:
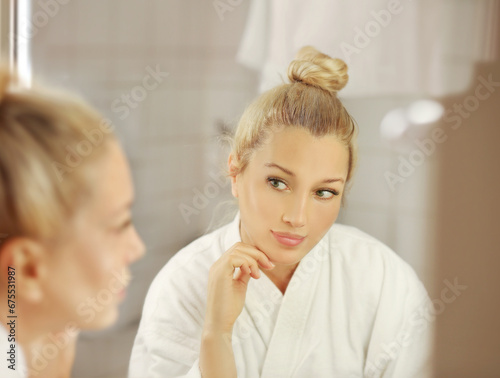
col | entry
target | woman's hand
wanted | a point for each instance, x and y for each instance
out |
(225, 300)
(226, 295)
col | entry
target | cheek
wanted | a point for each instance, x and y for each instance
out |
(97, 261)
(262, 203)
(324, 216)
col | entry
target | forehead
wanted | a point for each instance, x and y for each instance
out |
(299, 151)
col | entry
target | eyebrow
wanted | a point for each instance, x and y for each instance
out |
(290, 173)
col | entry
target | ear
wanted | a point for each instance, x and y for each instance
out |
(28, 259)
(232, 171)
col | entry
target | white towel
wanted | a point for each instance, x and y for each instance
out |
(392, 47)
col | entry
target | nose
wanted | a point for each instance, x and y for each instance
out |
(137, 248)
(296, 211)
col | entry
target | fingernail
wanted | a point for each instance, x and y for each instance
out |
(270, 263)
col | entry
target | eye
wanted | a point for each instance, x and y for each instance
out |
(326, 194)
(276, 183)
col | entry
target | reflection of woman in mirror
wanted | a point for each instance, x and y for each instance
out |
(283, 291)
(67, 237)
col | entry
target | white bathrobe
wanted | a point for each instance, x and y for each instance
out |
(353, 308)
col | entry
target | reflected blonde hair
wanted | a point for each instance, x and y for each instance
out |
(309, 101)
(39, 131)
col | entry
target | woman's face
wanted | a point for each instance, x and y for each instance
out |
(290, 193)
(90, 266)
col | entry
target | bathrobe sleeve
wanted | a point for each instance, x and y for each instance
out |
(169, 336)
(401, 340)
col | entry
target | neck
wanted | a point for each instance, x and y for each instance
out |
(33, 335)
(281, 276)
(26, 329)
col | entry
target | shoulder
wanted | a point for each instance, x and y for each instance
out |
(174, 309)
(367, 258)
(185, 275)
(355, 245)
(200, 254)
(350, 235)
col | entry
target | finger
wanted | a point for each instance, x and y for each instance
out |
(243, 262)
(245, 274)
(252, 263)
(244, 278)
(249, 267)
(253, 270)
(245, 269)
(257, 254)
(237, 274)
(233, 262)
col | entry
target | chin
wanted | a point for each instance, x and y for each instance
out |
(104, 319)
(285, 255)
(109, 318)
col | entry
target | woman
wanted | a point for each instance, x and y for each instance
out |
(67, 237)
(282, 291)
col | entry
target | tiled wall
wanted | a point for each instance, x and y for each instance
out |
(102, 49)
(400, 214)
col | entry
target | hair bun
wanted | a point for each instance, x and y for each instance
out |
(315, 68)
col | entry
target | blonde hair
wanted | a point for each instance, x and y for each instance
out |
(47, 139)
(309, 101)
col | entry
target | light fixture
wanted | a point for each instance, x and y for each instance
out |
(412, 120)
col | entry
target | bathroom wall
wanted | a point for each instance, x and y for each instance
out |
(4, 31)
(392, 194)
(105, 50)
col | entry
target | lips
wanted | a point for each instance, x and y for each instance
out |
(288, 239)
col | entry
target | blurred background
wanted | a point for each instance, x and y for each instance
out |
(175, 75)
